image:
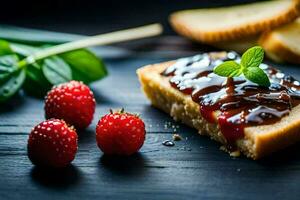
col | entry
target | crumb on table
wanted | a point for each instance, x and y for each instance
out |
(176, 137)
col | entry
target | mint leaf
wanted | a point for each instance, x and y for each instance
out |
(80, 65)
(23, 50)
(7, 65)
(228, 69)
(36, 83)
(252, 57)
(5, 48)
(257, 75)
(11, 78)
(56, 70)
(249, 66)
(86, 66)
(12, 84)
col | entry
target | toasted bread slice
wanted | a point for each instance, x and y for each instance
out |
(235, 22)
(283, 43)
(258, 140)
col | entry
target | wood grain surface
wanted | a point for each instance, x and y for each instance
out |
(193, 168)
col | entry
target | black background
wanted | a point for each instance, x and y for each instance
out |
(92, 16)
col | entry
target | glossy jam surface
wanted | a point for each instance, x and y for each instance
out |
(236, 102)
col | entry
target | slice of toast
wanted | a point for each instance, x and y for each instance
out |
(235, 22)
(283, 43)
(257, 142)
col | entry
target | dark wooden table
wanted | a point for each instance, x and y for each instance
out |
(193, 168)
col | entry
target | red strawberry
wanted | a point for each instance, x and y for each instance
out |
(120, 133)
(52, 144)
(73, 102)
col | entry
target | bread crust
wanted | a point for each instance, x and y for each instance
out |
(258, 142)
(276, 49)
(237, 32)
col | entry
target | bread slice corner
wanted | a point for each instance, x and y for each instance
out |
(283, 44)
(258, 142)
(234, 22)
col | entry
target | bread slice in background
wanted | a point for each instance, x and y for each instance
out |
(235, 22)
(283, 44)
(259, 141)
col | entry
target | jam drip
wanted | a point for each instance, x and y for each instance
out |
(233, 103)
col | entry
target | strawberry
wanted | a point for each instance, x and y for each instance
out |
(73, 102)
(120, 133)
(52, 144)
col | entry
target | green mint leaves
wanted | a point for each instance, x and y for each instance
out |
(249, 67)
(38, 77)
(253, 57)
(228, 69)
(11, 77)
(37, 68)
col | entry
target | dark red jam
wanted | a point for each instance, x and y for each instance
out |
(236, 102)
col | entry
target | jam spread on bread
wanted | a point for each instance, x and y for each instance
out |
(233, 103)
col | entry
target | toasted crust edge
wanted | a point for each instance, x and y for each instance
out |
(254, 145)
(234, 33)
(276, 50)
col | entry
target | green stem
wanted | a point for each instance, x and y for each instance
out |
(103, 39)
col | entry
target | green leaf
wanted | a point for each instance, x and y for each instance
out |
(36, 83)
(11, 78)
(23, 50)
(257, 75)
(86, 66)
(12, 84)
(9, 60)
(7, 65)
(228, 69)
(34, 36)
(56, 70)
(252, 57)
(5, 48)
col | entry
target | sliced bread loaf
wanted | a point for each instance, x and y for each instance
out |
(283, 44)
(235, 22)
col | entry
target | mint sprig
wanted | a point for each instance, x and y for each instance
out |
(37, 77)
(36, 69)
(249, 67)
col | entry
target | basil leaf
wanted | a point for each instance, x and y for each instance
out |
(5, 48)
(23, 50)
(36, 83)
(12, 84)
(11, 78)
(257, 75)
(86, 66)
(252, 57)
(34, 72)
(228, 69)
(9, 60)
(56, 70)
(34, 36)
(7, 65)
